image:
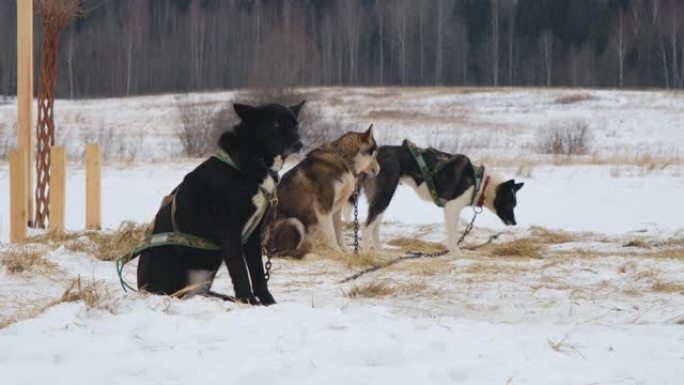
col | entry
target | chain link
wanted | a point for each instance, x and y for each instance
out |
(356, 220)
(476, 211)
(270, 244)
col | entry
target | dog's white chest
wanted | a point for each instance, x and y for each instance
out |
(259, 200)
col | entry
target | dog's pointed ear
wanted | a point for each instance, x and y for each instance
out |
(509, 183)
(244, 112)
(295, 109)
(518, 186)
(368, 135)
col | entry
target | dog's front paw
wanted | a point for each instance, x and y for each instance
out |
(455, 251)
(266, 298)
(248, 299)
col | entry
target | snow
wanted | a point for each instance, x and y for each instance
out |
(500, 122)
(200, 342)
(570, 317)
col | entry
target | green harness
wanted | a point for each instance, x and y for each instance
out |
(177, 238)
(428, 174)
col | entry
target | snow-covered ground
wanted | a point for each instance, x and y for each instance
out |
(603, 302)
(492, 122)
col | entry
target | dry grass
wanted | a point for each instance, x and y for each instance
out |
(7, 321)
(627, 267)
(543, 235)
(647, 162)
(426, 266)
(26, 259)
(411, 244)
(375, 289)
(573, 98)
(667, 253)
(363, 259)
(105, 246)
(519, 248)
(525, 169)
(492, 268)
(636, 243)
(674, 242)
(94, 295)
(668, 287)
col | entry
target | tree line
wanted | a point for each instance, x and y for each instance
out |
(127, 47)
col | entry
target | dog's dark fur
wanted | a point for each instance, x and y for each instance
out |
(453, 183)
(215, 201)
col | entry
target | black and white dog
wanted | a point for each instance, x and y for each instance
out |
(454, 179)
(217, 202)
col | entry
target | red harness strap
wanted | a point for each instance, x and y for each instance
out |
(480, 201)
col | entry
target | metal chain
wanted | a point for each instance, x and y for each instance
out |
(356, 220)
(418, 254)
(476, 211)
(349, 163)
(270, 244)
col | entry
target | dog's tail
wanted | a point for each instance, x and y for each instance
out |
(290, 238)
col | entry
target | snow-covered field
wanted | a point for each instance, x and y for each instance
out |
(484, 122)
(599, 299)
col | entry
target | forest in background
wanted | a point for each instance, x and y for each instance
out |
(129, 47)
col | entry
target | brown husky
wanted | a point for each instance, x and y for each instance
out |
(313, 193)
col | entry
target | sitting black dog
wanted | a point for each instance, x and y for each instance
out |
(222, 203)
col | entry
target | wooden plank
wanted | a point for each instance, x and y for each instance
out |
(18, 213)
(25, 93)
(92, 166)
(57, 194)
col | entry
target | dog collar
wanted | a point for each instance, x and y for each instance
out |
(481, 201)
(225, 158)
(480, 182)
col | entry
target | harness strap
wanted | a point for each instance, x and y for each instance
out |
(177, 238)
(162, 239)
(417, 154)
(225, 158)
(479, 174)
(481, 201)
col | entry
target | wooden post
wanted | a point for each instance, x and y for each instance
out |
(25, 94)
(92, 169)
(57, 189)
(18, 213)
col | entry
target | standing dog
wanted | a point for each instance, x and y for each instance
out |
(454, 181)
(222, 201)
(312, 194)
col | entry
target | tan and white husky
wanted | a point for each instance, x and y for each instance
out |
(312, 194)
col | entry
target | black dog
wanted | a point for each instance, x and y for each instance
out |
(221, 202)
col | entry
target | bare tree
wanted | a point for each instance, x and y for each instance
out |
(547, 48)
(494, 5)
(401, 35)
(54, 16)
(439, 47)
(381, 31)
(511, 40)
